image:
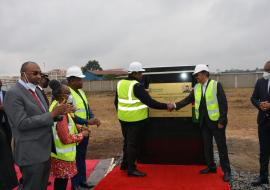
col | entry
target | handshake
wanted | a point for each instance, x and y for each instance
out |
(171, 106)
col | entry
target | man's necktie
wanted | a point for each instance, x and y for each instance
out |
(37, 99)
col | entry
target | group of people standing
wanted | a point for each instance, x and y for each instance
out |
(211, 108)
(53, 138)
(132, 102)
(47, 138)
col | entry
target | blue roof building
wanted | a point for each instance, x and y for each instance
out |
(92, 76)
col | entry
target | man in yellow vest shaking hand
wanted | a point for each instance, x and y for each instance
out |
(132, 102)
(211, 111)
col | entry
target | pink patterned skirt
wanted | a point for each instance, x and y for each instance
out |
(63, 169)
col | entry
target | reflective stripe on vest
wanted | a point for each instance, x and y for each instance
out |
(65, 152)
(210, 98)
(78, 103)
(130, 108)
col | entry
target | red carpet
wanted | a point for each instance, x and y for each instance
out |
(90, 165)
(164, 177)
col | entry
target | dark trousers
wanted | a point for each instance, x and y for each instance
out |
(131, 133)
(36, 176)
(81, 150)
(264, 139)
(60, 183)
(8, 178)
(220, 137)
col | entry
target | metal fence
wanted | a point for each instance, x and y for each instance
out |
(237, 80)
(232, 80)
(99, 86)
(228, 80)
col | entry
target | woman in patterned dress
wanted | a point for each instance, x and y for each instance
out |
(62, 169)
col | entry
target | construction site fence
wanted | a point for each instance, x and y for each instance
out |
(228, 80)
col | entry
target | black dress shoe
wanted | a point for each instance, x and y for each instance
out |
(208, 170)
(259, 182)
(227, 176)
(86, 185)
(136, 173)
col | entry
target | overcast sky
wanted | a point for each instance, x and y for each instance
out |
(224, 34)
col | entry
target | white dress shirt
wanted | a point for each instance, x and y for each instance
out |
(1, 97)
(204, 86)
(268, 85)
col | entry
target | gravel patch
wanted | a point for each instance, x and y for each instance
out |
(242, 180)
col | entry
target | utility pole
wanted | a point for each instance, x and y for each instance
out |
(44, 67)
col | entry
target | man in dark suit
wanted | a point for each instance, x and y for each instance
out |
(8, 178)
(211, 111)
(44, 83)
(261, 100)
(31, 126)
(3, 116)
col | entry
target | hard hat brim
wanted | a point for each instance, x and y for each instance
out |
(81, 76)
(141, 70)
(196, 72)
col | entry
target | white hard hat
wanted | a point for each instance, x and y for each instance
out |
(135, 67)
(200, 68)
(74, 71)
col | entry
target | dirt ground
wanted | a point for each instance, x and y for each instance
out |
(242, 138)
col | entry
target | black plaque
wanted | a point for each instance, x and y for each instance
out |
(171, 140)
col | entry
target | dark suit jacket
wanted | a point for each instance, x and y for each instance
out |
(222, 102)
(31, 126)
(261, 94)
(2, 113)
(5, 125)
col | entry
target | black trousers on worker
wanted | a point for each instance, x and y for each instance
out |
(81, 150)
(132, 133)
(264, 139)
(208, 132)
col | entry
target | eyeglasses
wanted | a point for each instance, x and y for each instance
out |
(35, 73)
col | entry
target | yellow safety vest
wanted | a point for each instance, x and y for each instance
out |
(65, 152)
(211, 100)
(130, 108)
(78, 103)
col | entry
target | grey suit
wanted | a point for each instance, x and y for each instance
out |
(31, 129)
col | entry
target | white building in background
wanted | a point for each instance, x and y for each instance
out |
(57, 74)
(8, 81)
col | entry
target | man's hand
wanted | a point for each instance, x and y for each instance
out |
(62, 109)
(264, 106)
(86, 133)
(220, 126)
(267, 105)
(170, 107)
(94, 121)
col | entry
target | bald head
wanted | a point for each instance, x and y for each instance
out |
(26, 65)
(30, 72)
(267, 67)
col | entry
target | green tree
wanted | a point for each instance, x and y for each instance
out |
(92, 65)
